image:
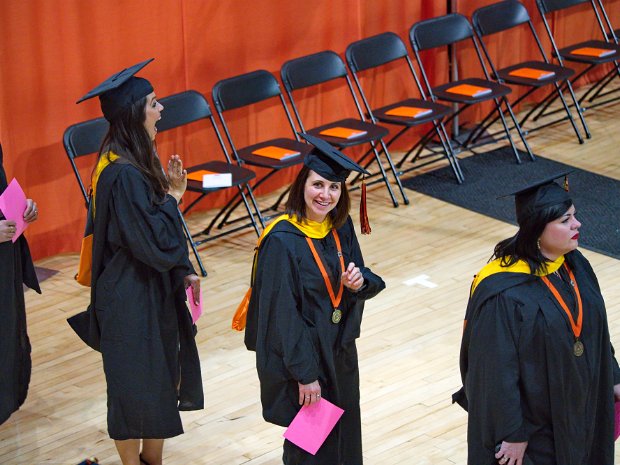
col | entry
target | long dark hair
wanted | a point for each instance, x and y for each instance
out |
(296, 203)
(524, 244)
(128, 138)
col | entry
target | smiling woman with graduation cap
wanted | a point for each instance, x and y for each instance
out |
(306, 304)
(138, 316)
(537, 364)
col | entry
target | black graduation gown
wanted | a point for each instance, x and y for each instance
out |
(16, 269)
(522, 381)
(289, 326)
(138, 317)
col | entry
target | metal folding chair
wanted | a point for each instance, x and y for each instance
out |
(188, 107)
(243, 91)
(327, 66)
(448, 30)
(377, 52)
(534, 74)
(582, 52)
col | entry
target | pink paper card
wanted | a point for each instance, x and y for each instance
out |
(196, 310)
(13, 205)
(617, 416)
(312, 425)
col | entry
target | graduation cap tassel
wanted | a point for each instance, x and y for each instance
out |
(365, 224)
(566, 183)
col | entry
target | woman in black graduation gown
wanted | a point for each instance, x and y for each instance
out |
(138, 316)
(303, 322)
(537, 364)
(16, 269)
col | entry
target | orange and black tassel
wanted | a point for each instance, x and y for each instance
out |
(365, 224)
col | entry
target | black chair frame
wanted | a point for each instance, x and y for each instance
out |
(449, 30)
(596, 91)
(546, 7)
(510, 14)
(242, 91)
(327, 66)
(189, 107)
(375, 52)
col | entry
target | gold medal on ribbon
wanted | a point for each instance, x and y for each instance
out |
(578, 348)
(335, 299)
(576, 326)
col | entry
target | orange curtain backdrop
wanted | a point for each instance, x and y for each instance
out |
(54, 51)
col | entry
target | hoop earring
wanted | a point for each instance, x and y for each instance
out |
(538, 244)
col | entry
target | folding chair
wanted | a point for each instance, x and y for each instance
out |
(449, 30)
(596, 90)
(191, 106)
(591, 53)
(327, 66)
(376, 52)
(536, 74)
(273, 154)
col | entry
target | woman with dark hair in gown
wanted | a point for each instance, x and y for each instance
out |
(138, 317)
(538, 368)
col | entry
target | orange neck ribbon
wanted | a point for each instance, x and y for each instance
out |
(334, 298)
(576, 327)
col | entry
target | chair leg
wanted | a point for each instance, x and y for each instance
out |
(395, 173)
(203, 272)
(568, 112)
(256, 207)
(519, 130)
(507, 131)
(249, 210)
(447, 147)
(234, 206)
(384, 174)
(611, 75)
(569, 86)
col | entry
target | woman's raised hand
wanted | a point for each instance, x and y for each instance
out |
(177, 177)
(352, 278)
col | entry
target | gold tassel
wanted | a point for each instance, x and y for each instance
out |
(566, 183)
(365, 224)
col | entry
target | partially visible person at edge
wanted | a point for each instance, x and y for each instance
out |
(16, 269)
(303, 322)
(537, 364)
(138, 317)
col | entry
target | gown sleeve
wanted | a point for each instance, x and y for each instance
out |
(149, 230)
(492, 383)
(282, 332)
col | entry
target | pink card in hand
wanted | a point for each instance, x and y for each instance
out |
(13, 205)
(196, 310)
(312, 425)
(617, 416)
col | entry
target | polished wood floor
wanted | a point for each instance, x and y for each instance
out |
(408, 349)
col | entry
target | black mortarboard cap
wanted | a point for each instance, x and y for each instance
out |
(328, 161)
(539, 195)
(121, 90)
